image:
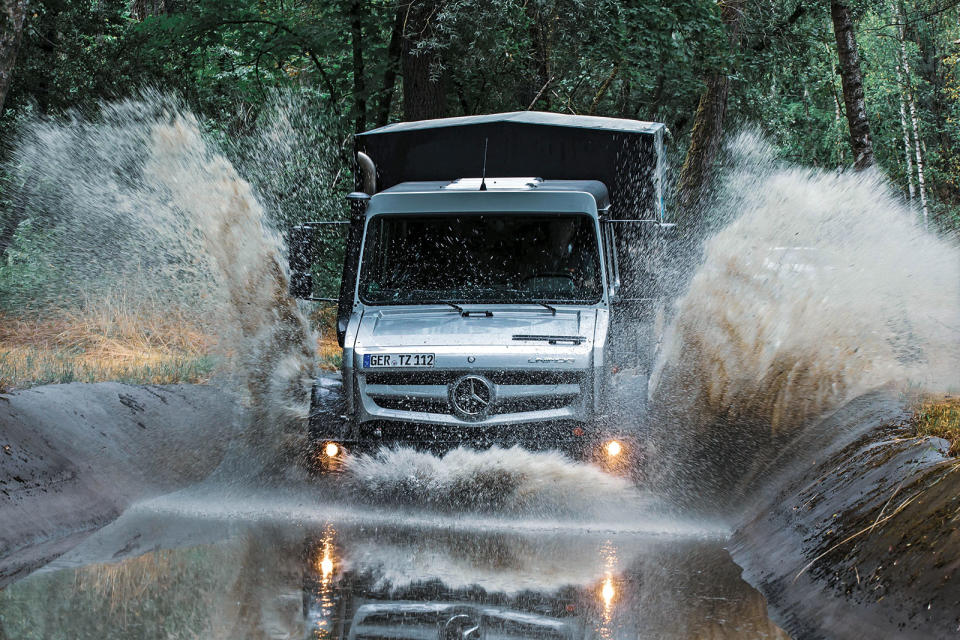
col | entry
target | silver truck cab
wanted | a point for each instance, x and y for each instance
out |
(480, 310)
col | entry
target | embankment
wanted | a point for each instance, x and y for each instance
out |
(73, 457)
(864, 543)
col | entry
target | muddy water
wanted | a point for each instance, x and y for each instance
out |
(818, 289)
(302, 570)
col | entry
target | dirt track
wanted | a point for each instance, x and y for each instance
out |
(73, 457)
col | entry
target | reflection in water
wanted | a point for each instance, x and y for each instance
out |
(321, 623)
(363, 582)
(607, 593)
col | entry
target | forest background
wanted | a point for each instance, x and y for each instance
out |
(830, 84)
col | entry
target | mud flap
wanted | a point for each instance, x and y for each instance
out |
(625, 402)
(328, 419)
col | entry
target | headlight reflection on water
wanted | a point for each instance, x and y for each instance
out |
(608, 593)
(325, 565)
(608, 590)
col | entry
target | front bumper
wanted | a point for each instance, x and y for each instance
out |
(588, 444)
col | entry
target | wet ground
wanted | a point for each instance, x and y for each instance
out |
(283, 565)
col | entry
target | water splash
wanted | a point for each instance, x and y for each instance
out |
(139, 199)
(498, 562)
(510, 480)
(820, 288)
(277, 352)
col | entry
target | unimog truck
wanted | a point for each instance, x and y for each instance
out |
(501, 284)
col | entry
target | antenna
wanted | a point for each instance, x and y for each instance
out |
(483, 176)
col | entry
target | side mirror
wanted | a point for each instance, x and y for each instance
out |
(301, 285)
(300, 245)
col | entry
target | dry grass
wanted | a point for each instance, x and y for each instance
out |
(127, 580)
(120, 342)
(939, 417)
(329, 353)
(108, 342)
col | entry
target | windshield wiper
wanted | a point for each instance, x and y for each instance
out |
(469, 314)
(552, 308)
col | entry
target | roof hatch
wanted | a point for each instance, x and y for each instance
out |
(473, 184)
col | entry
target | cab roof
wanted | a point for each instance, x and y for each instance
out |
(594, 188)
(542, 118)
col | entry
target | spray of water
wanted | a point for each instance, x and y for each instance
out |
(498, 562)
(139, 199)
(820, 289)
(510, 480)
(277, 353)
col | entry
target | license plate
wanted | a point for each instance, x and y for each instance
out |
(374, 360)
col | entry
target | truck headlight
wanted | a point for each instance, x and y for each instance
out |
(613, 448)
(331, 449)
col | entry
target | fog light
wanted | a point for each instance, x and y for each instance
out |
(613, 448)
(331, 449)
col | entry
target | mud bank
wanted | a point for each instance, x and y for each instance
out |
(866, 543)
(73, 457)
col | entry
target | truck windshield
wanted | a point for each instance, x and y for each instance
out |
(481, 258)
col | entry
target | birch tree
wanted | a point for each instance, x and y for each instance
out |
(908, 161)
(908, 89)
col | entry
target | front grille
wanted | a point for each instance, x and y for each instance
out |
(413, 404)
(513, 406)
(510, 394)
(532, 404)
(496, 377)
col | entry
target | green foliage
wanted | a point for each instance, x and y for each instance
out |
(25, 273)
(272, 80)
(789, 87)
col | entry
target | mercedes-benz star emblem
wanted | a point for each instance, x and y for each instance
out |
(471, 397)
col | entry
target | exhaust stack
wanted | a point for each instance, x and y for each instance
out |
(368, 172)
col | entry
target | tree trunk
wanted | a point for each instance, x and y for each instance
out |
(359, 81)
(707, 134)
(12, 13)
(541, 75)
(424, 88)
(901, 91)
(598, 96)
(908, 87)
(921, 183)
(906, 133)
(837, 113)
(852, 81)
(390, 72)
